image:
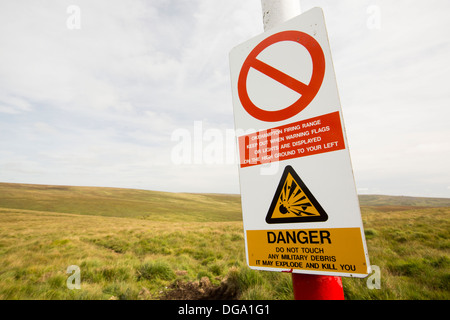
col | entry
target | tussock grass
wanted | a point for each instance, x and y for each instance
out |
(119, 258)
(411, 247)
(123, 254)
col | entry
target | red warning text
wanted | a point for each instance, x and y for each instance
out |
(299, 139)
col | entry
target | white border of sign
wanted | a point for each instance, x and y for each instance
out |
(328, 175)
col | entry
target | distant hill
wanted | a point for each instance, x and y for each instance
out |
(381, 200)
(133, 203)
(154, 205)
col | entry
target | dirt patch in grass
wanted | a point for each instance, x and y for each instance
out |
(201, 290)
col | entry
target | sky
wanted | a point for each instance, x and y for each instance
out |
(137, 93)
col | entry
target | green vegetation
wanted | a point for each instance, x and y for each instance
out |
(136, 244)
(123, 258)
(398, 201)
(115, 202)
(411, 246)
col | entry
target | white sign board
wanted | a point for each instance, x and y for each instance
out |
(300, 208)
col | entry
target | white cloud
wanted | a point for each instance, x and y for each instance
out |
(97, 105)
(14, 105)
(393, 88)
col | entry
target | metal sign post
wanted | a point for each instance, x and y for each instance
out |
(278, 11)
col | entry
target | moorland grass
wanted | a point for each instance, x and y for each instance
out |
(131, 256)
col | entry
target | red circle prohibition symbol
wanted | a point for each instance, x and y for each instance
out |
(307, 91)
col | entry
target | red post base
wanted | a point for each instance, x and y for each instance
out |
(315, 287)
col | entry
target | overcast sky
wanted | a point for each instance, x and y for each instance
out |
(104, 99)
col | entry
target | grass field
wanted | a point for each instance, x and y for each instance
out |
(137, 244)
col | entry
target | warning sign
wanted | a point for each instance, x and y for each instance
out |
(300, 209)
(329, 250)
(299, 139)
(307, 91)
(293, 202)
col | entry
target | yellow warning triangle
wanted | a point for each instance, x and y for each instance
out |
(293, 202)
